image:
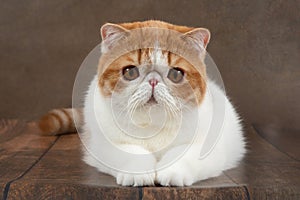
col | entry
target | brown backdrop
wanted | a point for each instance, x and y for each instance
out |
(255, 44)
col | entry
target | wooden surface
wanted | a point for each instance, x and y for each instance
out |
(37, 167)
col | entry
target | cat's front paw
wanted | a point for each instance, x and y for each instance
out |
(135, 179)
(175, 175)
(145, 163)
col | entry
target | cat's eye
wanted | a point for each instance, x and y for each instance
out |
(130, 72)
(175, 75)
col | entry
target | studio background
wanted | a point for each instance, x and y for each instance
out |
(255, 45)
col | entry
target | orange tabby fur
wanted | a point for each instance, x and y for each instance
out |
(109, 78)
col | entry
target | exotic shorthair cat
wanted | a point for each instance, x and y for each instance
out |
(138, 80)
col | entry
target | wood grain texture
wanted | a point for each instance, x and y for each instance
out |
(281, 138)
(210, 193)
(265, 173)
(20, 149)
(61, 174)
(60, 190)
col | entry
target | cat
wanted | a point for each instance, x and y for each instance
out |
(140, 79)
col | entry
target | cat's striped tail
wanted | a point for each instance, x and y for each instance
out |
(60, 121)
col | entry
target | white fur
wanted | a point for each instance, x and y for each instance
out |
(188, 169)
(157, 57)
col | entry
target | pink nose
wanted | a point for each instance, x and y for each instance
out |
(153, 82)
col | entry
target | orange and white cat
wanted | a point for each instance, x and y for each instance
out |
(151, 76)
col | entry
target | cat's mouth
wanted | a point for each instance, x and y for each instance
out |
(152, 100)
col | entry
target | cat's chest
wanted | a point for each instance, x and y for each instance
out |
(166, 138)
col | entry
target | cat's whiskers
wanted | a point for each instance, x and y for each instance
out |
(169, 101)
(134, 107)
(135, 102)
(123, 115)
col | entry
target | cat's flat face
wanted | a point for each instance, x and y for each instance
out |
(150, 76)
(153, 76)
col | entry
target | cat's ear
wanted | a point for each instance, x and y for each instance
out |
(199, 36)
(110, 34)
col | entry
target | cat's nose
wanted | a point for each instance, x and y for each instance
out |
(153, 82)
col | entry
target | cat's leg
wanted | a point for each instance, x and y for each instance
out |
(125, 164)
(137, 179)
(91, 160)
(125, 178)
(189, 168)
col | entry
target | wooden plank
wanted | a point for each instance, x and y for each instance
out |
(220, 181)
(265, 173)
(268, 173)
(62, 190)
(285, 140)
(62, 174)
(20, 149)
(63, 165)
(213, 193)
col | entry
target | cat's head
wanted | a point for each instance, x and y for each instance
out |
(150, 76)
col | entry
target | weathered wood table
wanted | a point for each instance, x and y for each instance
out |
(40, 167)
